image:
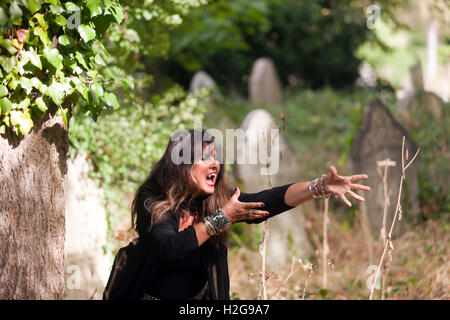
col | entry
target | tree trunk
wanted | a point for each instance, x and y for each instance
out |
(32, 223)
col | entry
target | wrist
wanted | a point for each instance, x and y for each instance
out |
(319, 187)
(227, 211)
(217, 222)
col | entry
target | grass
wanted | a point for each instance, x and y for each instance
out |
(419, 268)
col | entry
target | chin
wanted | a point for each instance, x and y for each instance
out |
(208, 190)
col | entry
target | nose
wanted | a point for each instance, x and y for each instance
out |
(214, 164)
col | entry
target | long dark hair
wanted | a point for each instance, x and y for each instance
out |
(169, 187)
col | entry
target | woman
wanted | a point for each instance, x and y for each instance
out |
(182, 213)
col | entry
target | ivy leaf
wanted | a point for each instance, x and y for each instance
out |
(63, 113)
(95, 7)
(41, 20)
(80, 87)
(15, 13)
(26, 84)
(32, 5)
(53, 56)
(56, 8)
(3, 91)
(63, 40)
(111, 100)
(7, 44)
(34, 58)
(81, 60)
(56, 92)
(87, 33)
(102, 23)
(3, 17)
(41, 104)
(36, 83)
(24, 104)
(60, 20)
(117, 12)
(5, 105)
(42, 34)
(21, 120)
(70, 6)
(97, 89)
(8, 64)
(99, 60)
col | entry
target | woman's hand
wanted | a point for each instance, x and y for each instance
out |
(340, 185)
(186, 220)
(238, 211)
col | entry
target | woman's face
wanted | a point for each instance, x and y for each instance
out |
(204, 172)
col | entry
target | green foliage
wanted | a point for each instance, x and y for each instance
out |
(311, 42)
(402, 49)
(433, 137)
(50, 54)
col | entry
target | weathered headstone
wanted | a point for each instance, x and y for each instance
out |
(367, 76)
(380, 137)
(288, 226)
(264, 83)
(416, 76)
(87, 266)
(201, 79)
(417, 100)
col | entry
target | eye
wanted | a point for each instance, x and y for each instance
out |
(209, 154)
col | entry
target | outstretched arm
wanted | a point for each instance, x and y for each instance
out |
(283, 198)
(334, 184)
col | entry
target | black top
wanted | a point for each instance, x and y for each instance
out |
(169, 264)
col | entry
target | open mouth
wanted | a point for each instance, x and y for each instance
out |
(211, 178)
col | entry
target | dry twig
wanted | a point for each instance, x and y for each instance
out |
(388, 243)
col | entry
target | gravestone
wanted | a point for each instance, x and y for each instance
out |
(417, 101)
(288, 226)
(264, 83)
(380, 137)
(201, 79)
(367, 76)
(87, 266)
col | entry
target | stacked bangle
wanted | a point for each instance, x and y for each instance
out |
(317, 187)
(216, 222)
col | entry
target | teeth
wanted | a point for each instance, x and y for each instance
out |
(211, 176)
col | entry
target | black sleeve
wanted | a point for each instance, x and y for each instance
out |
(273, 199)
(170, 243)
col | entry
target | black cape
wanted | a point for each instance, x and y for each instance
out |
(136, 265)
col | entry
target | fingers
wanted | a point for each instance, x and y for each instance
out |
(257, 214)
(333, 171)
(356, 177)
(250, 205)
(360, 187)
(356, 196)
(344, 199)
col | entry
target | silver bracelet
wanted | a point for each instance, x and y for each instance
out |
(317, 188)
(217, 222)
(313, 187)
(209, 228)
(325, 195)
